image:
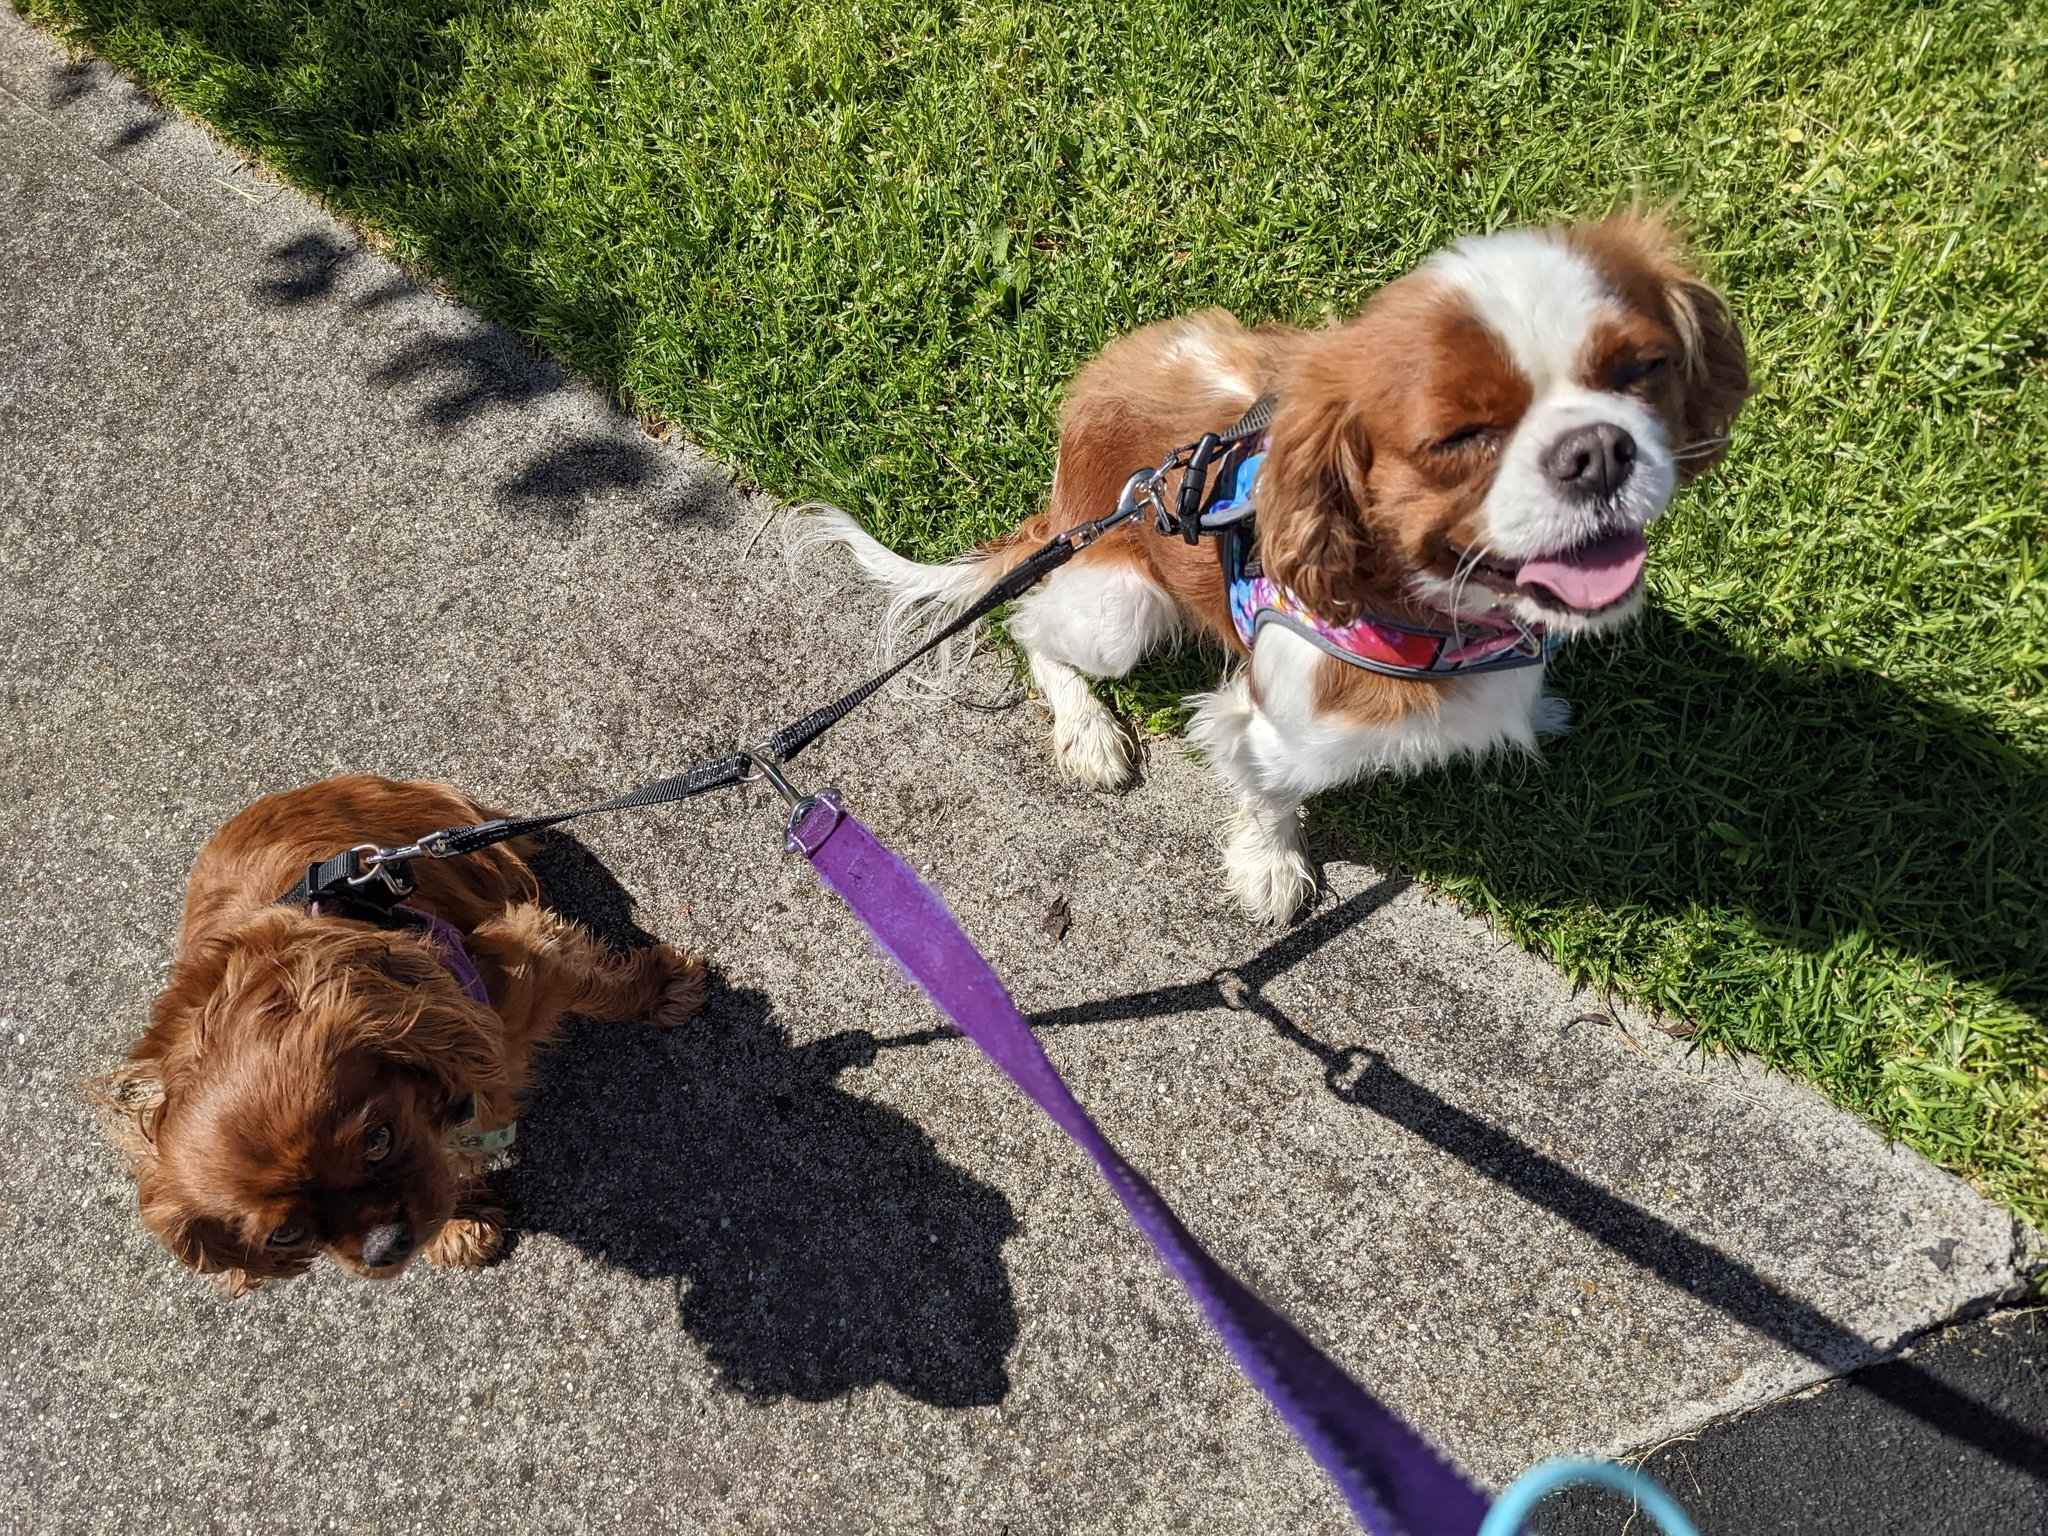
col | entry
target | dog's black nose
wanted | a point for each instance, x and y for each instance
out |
(386, 1245)
(1593, 460)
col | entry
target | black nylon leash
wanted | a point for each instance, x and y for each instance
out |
(367, 880)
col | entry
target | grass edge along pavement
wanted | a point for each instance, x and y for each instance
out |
(1805, 810)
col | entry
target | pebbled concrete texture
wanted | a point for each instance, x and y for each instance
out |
(270, 510)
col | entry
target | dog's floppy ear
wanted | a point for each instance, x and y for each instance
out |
(203, 1243)
(1715, 375)
(178, 1019)
(1712, 376)
(134, 1096)
(406, 1008)
(1313, 498)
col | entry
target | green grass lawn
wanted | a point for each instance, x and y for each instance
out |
(857, 247)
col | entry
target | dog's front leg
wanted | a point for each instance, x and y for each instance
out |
(1265, 863)
(1094, 618)
(475, 1234)
(1265, 859)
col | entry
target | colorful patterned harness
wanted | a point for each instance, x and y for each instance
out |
(1377, 644)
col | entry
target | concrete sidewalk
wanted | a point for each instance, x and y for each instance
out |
(272, 511)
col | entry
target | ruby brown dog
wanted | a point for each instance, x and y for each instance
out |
(1454, 482)
(313, 1083)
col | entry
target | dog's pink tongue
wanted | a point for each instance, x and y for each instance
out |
(1591, 577)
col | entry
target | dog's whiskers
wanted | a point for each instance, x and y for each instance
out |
(1461, 576)
(1702, 448)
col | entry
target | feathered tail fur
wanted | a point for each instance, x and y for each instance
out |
(919, 595)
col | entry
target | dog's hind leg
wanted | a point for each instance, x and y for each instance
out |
(1093, 618)
(573, 971)
(659, 985)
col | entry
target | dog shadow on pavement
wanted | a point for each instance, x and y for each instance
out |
(819, 1242)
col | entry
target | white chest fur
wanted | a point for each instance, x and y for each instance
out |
(1265, 732)
(1276, 748)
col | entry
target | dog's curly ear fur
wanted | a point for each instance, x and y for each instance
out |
(410, 1014)
(131, 1100)
(204, 1244)
(1716, 373)
(1713, 366)
(313, 991)
(1313, 498)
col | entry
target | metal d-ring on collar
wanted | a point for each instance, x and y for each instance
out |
(387, 866)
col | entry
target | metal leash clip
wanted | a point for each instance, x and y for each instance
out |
(1141, 493)
(385, 865)
(801, 805)
(393, 865)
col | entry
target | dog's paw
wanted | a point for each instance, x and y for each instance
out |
(680, 986)
(471, 1238)
(1092, 750)
(1552, 716)
(1269, 875)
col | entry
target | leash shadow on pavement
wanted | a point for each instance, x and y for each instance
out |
(818, 1243)
(1363, 1077)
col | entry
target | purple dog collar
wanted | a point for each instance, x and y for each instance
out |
(447, 941)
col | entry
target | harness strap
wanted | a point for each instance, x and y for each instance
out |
(1255, 420)
(1378, 643)
(349, 885)
(392, 913)
(1194, 462)
(447, 941)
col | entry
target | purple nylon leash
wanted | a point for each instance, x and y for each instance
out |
(1395, 1481)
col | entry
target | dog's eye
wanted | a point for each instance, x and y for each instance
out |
(290, 1235)
(377, 1145)
(1478, 435)
(1628, 375)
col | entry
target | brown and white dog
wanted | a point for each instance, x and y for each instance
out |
(1490, 437)
(306, 1079)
